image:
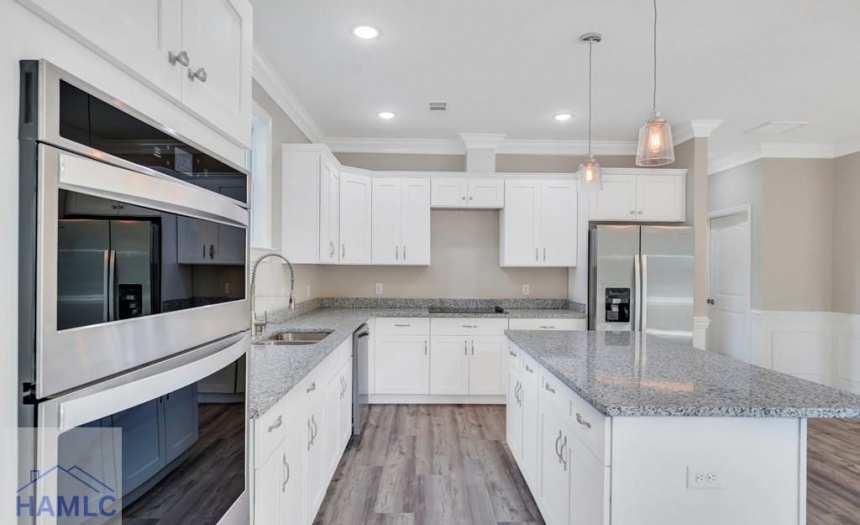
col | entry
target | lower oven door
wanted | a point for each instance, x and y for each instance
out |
(153, 444)
(132, 268)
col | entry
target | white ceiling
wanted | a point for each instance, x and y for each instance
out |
(506, 66)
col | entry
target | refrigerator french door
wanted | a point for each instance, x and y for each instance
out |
(641, 280)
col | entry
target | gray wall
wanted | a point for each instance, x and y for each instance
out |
(792, 203)
(846, 234)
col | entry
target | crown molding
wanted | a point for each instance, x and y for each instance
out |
(273, 83)
(482, 140)
(846, 147)
(695, 128)
(782, 150)
(566, 147)
(734, 159)
(402, 146)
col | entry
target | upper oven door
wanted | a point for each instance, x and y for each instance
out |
(133, 267)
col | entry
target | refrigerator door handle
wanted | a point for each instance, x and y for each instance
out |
(111, 295)
(106, 283)
(637, 293)
(644, 307)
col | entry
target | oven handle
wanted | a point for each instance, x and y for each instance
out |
(111, 295)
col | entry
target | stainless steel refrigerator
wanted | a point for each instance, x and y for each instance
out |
(107, 270)
(641, 280)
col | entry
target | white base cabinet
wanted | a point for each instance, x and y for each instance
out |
(299, 442)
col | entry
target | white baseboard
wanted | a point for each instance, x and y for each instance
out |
(700, 332)
(397, 399)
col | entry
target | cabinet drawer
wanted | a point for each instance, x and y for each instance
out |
(591, 427)
(403, 325)
(513, 356)
(467, 326)
(554, 394)
(270, 431)
(548, 324)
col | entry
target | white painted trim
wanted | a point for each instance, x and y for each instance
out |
(482, 140)
(265, 73)
(700, 332)
(846, 147)
(782, 150)
(846, 351)
(394, 399)
(695, 128)
(796, 343)
(733, 160)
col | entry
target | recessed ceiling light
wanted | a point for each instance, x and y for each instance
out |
(562, 117)
(365, 32)
(386, 115)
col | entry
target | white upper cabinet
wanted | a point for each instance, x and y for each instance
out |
(467, 192)
(652, 196)
(216, 34)
(539, 223)
(355, 216)
(304, 168)
(329, 244)
(401, 221)
(161, 41)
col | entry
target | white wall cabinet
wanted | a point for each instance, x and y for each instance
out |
(307, 208)
(655, 196)
(142, 38)
(329, 243)
(356, 191)
(539, 223)
(401, 221)
(467, 192)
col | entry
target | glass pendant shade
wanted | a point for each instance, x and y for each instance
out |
(589, 175)
(655, 146)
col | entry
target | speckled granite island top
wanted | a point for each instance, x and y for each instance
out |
(627, 374)
(275, 370)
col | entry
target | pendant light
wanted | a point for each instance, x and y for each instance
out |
(589, 170)
(655, 147)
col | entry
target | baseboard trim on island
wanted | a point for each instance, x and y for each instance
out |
(700, 332)
(422, 399)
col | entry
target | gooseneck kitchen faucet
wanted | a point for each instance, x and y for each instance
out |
(260, 325)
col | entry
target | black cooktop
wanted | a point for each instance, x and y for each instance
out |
(446, 310)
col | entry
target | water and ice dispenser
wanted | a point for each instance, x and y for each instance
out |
(618, 305)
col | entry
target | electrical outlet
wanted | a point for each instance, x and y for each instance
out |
(526, 289)
(226, 288)
(378, 288)
(308, 293)
(705, 477)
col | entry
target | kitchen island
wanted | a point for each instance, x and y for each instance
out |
(630, 429)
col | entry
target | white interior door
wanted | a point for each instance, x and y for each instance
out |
(730, 286)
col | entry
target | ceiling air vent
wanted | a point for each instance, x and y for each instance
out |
(438, 107)
(775, 127)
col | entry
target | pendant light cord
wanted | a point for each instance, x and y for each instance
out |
(590, 47)
(654, 102)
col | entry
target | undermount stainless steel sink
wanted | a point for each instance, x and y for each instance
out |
(296, 338)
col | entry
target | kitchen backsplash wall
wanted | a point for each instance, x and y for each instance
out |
(464, 264)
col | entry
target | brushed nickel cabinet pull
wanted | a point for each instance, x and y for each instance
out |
(311, 388)
(549, 388)
(582, 421)
(277, 424)
(199, 74)
(286, 474)
(528, 369)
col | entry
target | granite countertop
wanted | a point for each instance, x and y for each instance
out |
(628, 374)
(276, 369)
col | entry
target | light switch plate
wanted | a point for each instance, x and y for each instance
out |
(526, 289)
(378, 288)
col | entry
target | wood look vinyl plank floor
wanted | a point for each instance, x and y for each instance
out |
(833, 472)
(429, 465)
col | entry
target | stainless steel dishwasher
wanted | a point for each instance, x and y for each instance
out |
(360, 373)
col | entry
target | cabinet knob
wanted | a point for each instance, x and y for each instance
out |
(463, 197)
(181, 58)
(199, 74)
(632, 212)
(640, 212)
(471, 198)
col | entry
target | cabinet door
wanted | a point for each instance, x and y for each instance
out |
(329, 211)
(138, 35)
(142, 443)
(355, 218)
(268, 485)
(554, 467)
(449, 193)
(486, 365)
(316, 473)
(345, 423)
(449, 365)
(661, 198)
(514, 413)
(589, 486)
(529, 397)
(486, 193)
(337, 409)
(293, 461)
(385, 219)
(616, 201)
(217, 36)
(231, 246)
(415, 220)
(180, 421)
(402, 364)
(520, 228)
(558, 223)
(196, 240)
